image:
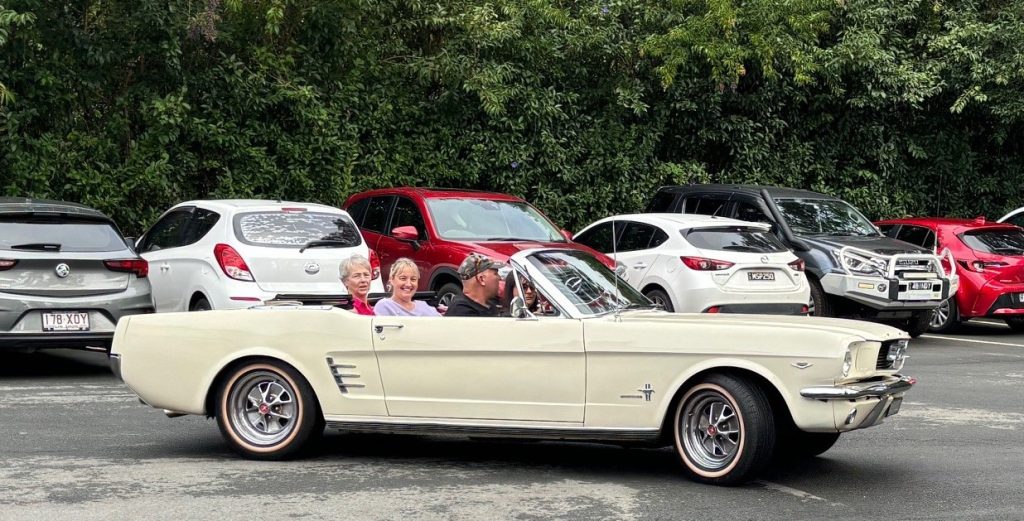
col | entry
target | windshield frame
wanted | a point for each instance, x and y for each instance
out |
(819, 202)
(533, 261)
(535, 214)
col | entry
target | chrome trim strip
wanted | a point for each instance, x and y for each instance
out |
(855, 390)
(551, 433)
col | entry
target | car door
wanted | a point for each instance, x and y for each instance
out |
(161, 247)
(633, 249)
(482, 368)
(389, 249)
(374, 221)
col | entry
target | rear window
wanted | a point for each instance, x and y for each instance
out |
(58, 235)
(999, 242)
(295, 229)
(734, 238)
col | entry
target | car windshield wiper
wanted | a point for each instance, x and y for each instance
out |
(741, 247)
(506, 239)
(329, 243)
(41, 246)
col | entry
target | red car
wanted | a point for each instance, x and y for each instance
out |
(990, 263)
(439, 228)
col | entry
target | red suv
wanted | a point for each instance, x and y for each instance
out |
(990, 263)
(439, 228)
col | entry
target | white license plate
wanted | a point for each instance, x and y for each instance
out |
(926, 285)
(760, 275)
(66, 321)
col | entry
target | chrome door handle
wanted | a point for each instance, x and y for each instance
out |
(380, 329)
(639, 266)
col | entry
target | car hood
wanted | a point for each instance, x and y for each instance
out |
(857, 328)
(879, 244)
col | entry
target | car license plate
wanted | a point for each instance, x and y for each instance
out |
(66, 321)
(760, 275)
(923, 285)
(894, 407)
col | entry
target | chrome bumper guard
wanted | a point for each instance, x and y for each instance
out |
(859, 390)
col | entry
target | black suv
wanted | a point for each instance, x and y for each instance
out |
(853, 269)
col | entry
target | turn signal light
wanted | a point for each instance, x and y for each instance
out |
(6, 264)
(713, 309)
(232, 263)
(374, 265)
(137, 266)
(702, 264)
(797, 265)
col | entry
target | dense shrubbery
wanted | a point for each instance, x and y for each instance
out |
(585, 107)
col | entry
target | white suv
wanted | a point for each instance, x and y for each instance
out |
(226, 254)
(703, 264)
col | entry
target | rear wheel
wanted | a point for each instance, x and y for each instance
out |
(201, 304)
(919, 322)
(724, 430)
(266, 410)
(946, 317)
(447, 292)
(661, 298)
(820, 304)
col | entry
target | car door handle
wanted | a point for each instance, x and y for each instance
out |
(639, 266)
(380, 328)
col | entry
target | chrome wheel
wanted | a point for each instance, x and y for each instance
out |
(941, 315)
(262, 408)
(711, 430)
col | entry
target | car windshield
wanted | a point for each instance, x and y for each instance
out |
(40, 234)
(824, 217)
(587, 283)
(487, 220)
(296, 229)
(999, 242)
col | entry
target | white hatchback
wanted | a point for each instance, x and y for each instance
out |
(227, 254)
(703, 264)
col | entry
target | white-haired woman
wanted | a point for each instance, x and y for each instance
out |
(356, 274)
(404, 278)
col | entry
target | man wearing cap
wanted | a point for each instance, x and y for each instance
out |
(480, 281)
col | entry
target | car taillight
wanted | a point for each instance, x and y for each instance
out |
(804, 310)
(797, 265)
(702, 264)
(6, 264)
(374, 265)
(980, 266)
(232, 263)
(713, 309)
(137, 266)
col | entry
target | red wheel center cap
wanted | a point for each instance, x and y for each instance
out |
(264, 408)
(712, 430)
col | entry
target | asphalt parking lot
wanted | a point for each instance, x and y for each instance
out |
(75, 444)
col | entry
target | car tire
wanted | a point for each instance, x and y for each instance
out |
(660, 297)
(285, 421)
(918, 323)
(201, 304)
(946, 317)
(820, 303)
(1016, 324)
(447, 292)
(731, 448)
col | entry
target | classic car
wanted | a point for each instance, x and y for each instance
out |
(729, 392)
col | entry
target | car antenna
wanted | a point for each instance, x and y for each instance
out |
(615, 276)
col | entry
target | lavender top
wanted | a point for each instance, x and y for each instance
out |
(387, 307)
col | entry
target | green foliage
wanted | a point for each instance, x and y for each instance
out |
(582, 107)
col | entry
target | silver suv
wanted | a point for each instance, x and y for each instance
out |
(66, 276)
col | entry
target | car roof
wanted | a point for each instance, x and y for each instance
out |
(773, 191)
(440, 193)
(687, 220)
(947, 222)
(253, 204)
(23, 205)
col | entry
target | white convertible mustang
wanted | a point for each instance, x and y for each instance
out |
(600, 363)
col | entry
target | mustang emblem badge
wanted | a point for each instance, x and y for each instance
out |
(312, 268)
(62, 270)
(648, 391)
(801, 365)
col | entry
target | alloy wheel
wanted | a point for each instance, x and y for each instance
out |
(262, 408)
(711, 430)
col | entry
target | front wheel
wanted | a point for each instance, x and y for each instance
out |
(919, 322)
(801, 444)
(820, 305)
(266, 410)
(724, 430)
(946, 317)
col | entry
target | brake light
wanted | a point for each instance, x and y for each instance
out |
(292, 209)
(713, 309)
(797, 265)
(232, 263)
(804, 310)
(374, 265)
(137, 266)
(702, 264)
(980, 266)
(6, 264)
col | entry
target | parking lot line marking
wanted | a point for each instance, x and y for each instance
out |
(989, 342)
(797, 493)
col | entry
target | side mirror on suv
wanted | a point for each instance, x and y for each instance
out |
(407, 234)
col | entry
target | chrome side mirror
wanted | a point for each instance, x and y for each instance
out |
(517, 308)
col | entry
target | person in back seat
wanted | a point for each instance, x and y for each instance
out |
(356, 275)
(480, 283)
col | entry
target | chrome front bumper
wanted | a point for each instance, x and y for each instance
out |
(863, 404)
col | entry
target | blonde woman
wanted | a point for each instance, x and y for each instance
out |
(356, 274)
(404, 278)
